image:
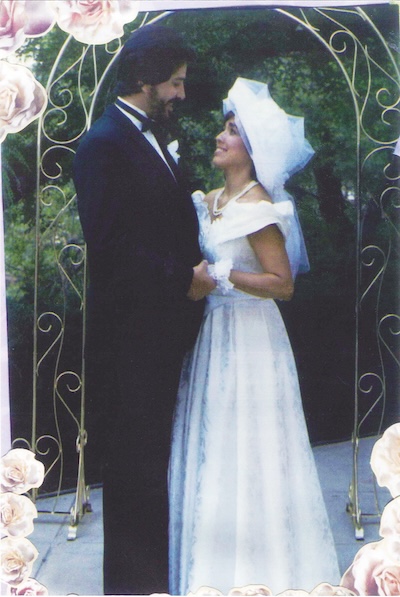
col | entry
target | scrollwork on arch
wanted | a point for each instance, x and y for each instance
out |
(70, 114)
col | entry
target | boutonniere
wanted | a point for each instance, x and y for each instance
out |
(173, 148)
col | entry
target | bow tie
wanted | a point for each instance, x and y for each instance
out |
(148, 124)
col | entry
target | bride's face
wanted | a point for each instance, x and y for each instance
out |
(230, 151)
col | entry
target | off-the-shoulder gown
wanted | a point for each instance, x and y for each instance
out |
(246, 505)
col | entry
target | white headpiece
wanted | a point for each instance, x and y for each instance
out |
(278, 148)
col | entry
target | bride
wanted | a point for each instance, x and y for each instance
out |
(245, 501)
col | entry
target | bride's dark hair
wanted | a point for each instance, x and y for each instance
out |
(150, 56)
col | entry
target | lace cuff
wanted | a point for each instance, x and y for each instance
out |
(220, 271)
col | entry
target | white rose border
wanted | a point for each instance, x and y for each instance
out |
(19, 473)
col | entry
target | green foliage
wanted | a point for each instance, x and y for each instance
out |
(19, 248)
(305, 79)
(197, 148)
(18, 153)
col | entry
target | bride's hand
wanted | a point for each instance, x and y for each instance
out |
(202, 283)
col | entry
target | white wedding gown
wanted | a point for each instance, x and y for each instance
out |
(245, 501)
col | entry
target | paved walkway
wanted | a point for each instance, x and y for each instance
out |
(75, 567)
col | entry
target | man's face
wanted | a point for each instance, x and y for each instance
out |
(162, 97)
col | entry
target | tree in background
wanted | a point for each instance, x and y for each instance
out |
(305, 80)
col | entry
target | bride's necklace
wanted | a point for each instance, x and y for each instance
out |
(217, 211)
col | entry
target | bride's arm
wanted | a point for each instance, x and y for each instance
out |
(276, 281)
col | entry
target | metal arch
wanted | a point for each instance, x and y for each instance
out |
(53, 206)
(364, 381)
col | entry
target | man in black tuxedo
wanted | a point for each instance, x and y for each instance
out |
(144, 305)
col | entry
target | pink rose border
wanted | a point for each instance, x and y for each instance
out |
(39, 27)
(375, 569)
(97, 23)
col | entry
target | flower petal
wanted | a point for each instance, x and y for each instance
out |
(16, 514)
(95, 21)
(17, 557)
(29, 587)
(385, 460)
(19, 469)
(40, 17)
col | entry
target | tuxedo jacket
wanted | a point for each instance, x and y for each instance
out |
(141, 233)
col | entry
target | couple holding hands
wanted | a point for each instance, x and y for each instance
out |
(193, 402)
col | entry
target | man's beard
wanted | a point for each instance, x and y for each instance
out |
(158, 109)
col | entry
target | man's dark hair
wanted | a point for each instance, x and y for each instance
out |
(150, 56)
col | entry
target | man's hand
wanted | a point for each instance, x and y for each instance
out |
(202, 283)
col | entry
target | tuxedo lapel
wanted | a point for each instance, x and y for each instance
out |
(145, 147)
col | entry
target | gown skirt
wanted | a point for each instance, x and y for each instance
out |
(246, 505)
